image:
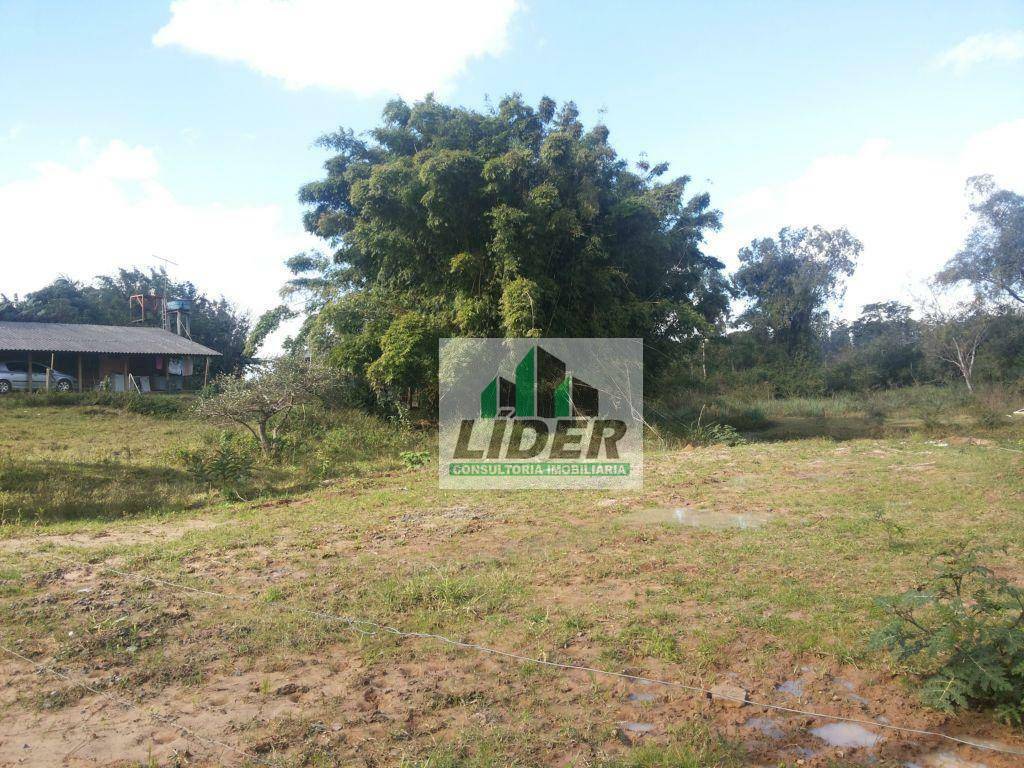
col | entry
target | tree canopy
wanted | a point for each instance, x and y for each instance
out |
(513, 222)
(788, 282)
(992, 258)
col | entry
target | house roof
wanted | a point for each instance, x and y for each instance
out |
(110, 339)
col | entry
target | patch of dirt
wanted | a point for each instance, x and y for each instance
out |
(376, 708)
(336, 703)
(127, 536)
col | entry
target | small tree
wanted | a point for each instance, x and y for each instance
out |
(962, 631)
(954, 336)
(263, 403)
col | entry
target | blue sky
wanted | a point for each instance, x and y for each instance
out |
(184, 130)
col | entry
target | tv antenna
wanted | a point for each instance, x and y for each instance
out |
(140, 306)
(166, 261)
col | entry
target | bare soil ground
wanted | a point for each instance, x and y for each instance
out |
(253, 669)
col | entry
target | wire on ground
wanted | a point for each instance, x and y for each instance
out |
(367, 627)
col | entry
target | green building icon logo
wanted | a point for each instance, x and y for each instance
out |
(543, 388)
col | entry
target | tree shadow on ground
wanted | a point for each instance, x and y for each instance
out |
(47, 491)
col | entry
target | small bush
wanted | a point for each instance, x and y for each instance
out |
(356, 437)
(876, 410)
(714, 433)
(895, 533)
(413, 459)
(988, 417)
(226, 466)
(163, 406)
(931, 415)
(962, 632)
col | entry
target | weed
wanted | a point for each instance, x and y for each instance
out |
(696, 746)
(226, 466)
(413, 459)
(894, 532)
(962, 631)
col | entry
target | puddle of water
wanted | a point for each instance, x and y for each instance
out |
(637, 727)
(641, 697)
(766, 726)
(992, 743)
(847, 735)
(792, 687)
(693, 517)
(943, 760)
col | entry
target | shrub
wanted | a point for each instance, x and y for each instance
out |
(962, 632)
(895, 533)
(226, 466)
(876, 410)
(264, 402)
(359, 437)
(713, 433)
(164, 406)
(986, 416)
(413, 459)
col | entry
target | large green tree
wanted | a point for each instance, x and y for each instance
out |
(883, 350)
(992, 258)
(215, 322)
(515, 221)
(788, 282)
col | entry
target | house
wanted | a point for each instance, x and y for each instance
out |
(123, 358)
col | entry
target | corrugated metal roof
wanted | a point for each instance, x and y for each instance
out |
(111, 339)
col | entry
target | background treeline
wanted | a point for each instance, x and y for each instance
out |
(215, 322)
(884, 347)
(518, 221)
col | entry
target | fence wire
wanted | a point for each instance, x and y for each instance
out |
(367, 627)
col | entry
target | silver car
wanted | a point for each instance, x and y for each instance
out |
(14, 375)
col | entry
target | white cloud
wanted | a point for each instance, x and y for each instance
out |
(11, 134)
(409, 47)
(909, 210)
(984, 48)
(109, 209)
(118, 161)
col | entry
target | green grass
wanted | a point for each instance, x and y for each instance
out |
(92, 464)
(557, 576)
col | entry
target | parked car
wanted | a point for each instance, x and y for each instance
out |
(14, 375)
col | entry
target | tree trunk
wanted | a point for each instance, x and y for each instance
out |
(261, 429)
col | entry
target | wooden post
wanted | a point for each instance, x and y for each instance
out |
(79, 372)
(49, 371)
(206, 372)
(28, 373)
(126, 374)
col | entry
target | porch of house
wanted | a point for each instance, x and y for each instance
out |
(139, 372)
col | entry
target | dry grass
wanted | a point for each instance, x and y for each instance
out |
(572, 577)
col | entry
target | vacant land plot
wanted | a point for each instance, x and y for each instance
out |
(212, 630)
